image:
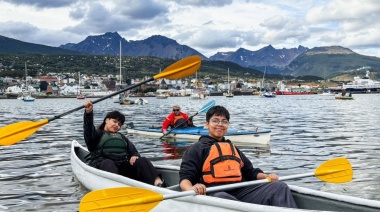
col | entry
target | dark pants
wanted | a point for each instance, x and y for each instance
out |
(274, 194)
(142, 170)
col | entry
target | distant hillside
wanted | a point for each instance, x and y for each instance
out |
(324, 62)
(132, 67)
(327, 62)
(12, 46)
(155, 46)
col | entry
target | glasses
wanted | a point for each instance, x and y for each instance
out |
(216, 122)
(175, 110)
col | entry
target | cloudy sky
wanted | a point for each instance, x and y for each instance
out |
(209, 26)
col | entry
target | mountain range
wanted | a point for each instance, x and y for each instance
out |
(324, 62)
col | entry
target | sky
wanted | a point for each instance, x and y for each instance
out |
(208, 26)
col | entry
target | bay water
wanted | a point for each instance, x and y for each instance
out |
(35, 174)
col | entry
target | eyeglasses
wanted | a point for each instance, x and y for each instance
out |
(217, 121)
(175, 109)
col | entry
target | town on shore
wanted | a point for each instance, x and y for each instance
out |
(70, 85)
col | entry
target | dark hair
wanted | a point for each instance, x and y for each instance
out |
(112, 115)
(219, 111)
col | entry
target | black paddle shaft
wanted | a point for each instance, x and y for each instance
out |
(101, 99)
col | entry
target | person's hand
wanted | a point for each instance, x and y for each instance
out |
(165, 132)
(272, 177)
(133, 160)
(88, 106)
(199, 189)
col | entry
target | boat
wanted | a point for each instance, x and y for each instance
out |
(193, 133)
(162, 96)
(138, 101)
(344, 97)
(291, 92)
(80, 95)
(326, 93)
(196, 93)
(229, 94)
(27, 97)
(306, 199)
(267, 95)
(285, 90)
(362, 85)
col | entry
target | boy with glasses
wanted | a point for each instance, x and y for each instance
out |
(214, 161)
(176, 119)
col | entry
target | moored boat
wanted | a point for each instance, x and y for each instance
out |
(306, 199)
(193, 133)
(344, 97)
(28, 98)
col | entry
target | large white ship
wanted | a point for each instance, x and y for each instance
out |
(362, 85)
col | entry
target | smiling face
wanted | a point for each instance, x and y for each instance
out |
(112, 125)
(217, 126)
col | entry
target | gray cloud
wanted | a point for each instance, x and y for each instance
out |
(204, 3)
(42, 3)
(143, 9)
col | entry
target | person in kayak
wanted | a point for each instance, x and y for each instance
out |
(214, 161)
(113, 152)
(176, 119)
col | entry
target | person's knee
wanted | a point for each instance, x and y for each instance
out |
(108, 165)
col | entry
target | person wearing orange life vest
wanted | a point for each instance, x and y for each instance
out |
(214, 161)
(176, 119)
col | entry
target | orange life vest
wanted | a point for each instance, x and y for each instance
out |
(223, 164)
(176, 118)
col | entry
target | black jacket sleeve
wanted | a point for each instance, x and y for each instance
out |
(91, 135)
(191, 165)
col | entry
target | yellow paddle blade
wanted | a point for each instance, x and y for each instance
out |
(337, 170)
(16, 132)
(180, 69)
(120, 199)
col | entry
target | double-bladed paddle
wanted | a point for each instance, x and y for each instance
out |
(16, 132)
(337, 170)
(204, 109)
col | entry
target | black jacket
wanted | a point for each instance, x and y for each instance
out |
(92, 138)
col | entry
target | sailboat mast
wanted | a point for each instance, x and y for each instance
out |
(120, 66)
(228, 79)
(262, 83)
(26, 74)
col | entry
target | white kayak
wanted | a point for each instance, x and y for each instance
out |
(306, 199)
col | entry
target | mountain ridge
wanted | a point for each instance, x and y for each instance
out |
(301, 61)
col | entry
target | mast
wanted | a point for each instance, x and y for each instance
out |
(262, 83)
(228, 79)
(78, 90)
(120, 66)
(26, 74)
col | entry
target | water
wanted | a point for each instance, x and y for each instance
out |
(35, 174)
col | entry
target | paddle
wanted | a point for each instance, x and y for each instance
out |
(16, 132)
(336, 170)
(204, 109)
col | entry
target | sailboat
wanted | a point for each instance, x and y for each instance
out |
(80, 95)
(229, 93)
(266, 94)
(196, 94)
(28, 96)
(121, 98)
